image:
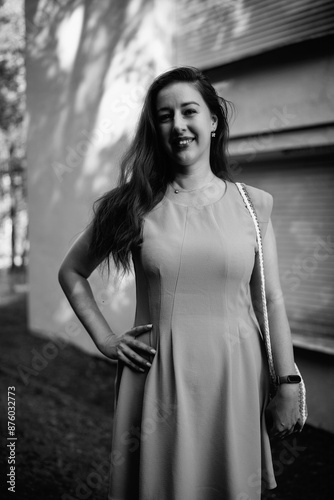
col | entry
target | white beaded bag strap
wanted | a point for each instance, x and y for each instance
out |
(266, 333)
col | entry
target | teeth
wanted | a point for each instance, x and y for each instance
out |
(184, 142)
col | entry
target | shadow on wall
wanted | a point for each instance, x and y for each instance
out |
(93, 65)
(89, 64)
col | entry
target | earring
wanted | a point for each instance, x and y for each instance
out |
(213, 134)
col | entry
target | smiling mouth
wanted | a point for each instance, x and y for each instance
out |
(183, 143)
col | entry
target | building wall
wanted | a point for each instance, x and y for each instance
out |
(278, 93)
(88, 67)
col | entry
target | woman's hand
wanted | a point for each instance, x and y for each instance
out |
(283, 412)
(125, 348)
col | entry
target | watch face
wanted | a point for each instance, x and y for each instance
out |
(294, 378)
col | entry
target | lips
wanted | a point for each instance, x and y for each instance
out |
(182, 142)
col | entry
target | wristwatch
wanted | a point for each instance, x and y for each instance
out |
(288, 379)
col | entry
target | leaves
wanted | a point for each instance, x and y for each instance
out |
(12, 68)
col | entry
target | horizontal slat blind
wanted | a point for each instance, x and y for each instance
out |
(303, 217)
(214, 32)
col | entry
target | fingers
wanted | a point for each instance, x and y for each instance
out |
(138, 330)
(280, 430)
(277, 429)
(133, 360)
(128, 347)
(135, 332)
(282, 417)
(298, 426)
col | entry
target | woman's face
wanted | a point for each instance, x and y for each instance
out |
(185, 124)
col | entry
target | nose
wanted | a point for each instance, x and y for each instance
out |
(179, 123)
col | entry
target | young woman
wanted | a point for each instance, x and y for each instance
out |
(192, 380)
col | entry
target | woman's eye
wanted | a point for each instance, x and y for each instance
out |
(164, 118)
(189, 111)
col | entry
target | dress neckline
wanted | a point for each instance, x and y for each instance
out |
(205, 195)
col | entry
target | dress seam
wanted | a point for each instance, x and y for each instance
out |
(180, 260)
(223, 297)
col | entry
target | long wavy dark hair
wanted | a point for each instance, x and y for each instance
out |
(145, 172)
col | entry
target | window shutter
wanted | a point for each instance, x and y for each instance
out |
(215, 32)
(303, 222)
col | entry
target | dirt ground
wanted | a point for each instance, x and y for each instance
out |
(64, 415)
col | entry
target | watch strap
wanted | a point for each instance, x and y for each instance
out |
(288, 379)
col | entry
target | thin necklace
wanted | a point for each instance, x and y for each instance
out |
(176, 191)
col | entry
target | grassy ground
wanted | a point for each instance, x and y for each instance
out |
(64, 411)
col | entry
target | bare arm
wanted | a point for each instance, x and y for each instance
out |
(284, 407)
(278, 321)
(73, 276)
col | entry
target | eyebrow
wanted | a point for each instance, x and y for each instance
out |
(182, 105)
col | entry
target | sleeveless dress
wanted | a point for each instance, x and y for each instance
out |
(193, 426)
